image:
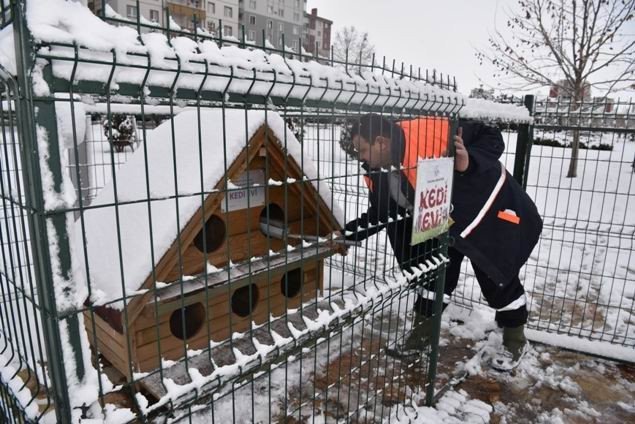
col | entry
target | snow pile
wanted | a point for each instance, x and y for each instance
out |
(454, 407)
(487, 110)
(223, 136)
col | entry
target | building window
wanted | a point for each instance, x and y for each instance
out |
(131, 11)
(251, 35)
(252, 20)
(295, 30)
(281, 27)
(211, 7)
(154, 15)
(319, 34)
(296, 16)
(270, 24)
(252, 4)
(270, 9)
(229, 12)
(227, 31)
(295, 46)
(281, 12)
(211, 26)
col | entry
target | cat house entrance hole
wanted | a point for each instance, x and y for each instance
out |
(244, 300)
(291, 283)
(186, 322)
(273, 215)
(212, 236)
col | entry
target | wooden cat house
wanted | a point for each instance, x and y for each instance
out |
(202, 265)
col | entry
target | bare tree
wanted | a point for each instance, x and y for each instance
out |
(352, 46)
(569, 45)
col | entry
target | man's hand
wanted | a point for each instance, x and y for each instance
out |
(340, 248)
(461, 158)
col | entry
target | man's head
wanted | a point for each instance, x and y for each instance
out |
(370, 139)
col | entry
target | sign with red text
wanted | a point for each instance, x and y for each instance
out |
(432, 199)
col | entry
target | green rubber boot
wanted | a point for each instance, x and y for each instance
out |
(514, 340)
(514, 347)
(416, 342)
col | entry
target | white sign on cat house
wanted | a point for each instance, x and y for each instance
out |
(241, 198)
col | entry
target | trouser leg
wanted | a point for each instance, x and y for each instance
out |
(509, 299)
(424, 305)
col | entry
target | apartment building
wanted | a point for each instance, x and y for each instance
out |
(317, 34)
(268, 18)
(225, 13)
(273, 18)
(149, 9)
(207, 14)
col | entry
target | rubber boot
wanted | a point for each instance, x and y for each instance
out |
(514, 341)
(417, 341)
(514, 347)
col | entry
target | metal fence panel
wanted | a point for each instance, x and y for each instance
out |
(580, 277)
(138, 279)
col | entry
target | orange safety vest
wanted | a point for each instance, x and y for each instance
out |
(425, 137)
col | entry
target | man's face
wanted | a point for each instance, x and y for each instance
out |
(375, 155)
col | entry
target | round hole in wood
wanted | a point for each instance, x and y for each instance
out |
(244, 300)
(212, 236)
(186, 322)
(291, 283)
(274, 215)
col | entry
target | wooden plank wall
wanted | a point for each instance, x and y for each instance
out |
(270, 301)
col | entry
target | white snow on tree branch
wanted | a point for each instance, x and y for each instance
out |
(487, 110)
(224, 135)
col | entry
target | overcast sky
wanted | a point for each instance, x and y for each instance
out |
(439, 34)
(433, 34)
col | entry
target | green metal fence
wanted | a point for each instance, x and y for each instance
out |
(138, 281)
(580, 278)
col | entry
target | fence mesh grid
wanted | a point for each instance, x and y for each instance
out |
(182, 242)
(580, 278)
(243, 312)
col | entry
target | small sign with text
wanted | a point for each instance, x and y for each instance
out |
(432, 199)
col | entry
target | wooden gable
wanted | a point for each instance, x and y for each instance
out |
(305, 212)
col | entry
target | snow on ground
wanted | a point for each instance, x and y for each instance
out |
(347, 377)
(550, 385)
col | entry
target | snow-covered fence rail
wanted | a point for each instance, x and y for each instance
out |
(169, 223)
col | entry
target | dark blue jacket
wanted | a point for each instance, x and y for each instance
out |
(494, 244)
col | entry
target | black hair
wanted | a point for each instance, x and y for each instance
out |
(368, 126)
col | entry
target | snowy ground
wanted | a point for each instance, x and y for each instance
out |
(352, 380)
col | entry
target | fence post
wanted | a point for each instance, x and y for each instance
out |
(46, 227)
(523, 145)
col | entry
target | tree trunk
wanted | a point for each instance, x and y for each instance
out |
(575, 148)
(578, 99)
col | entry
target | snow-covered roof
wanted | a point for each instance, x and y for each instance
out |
(487, 110)
(236, 127)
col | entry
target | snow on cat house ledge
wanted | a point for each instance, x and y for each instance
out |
(189, 243)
